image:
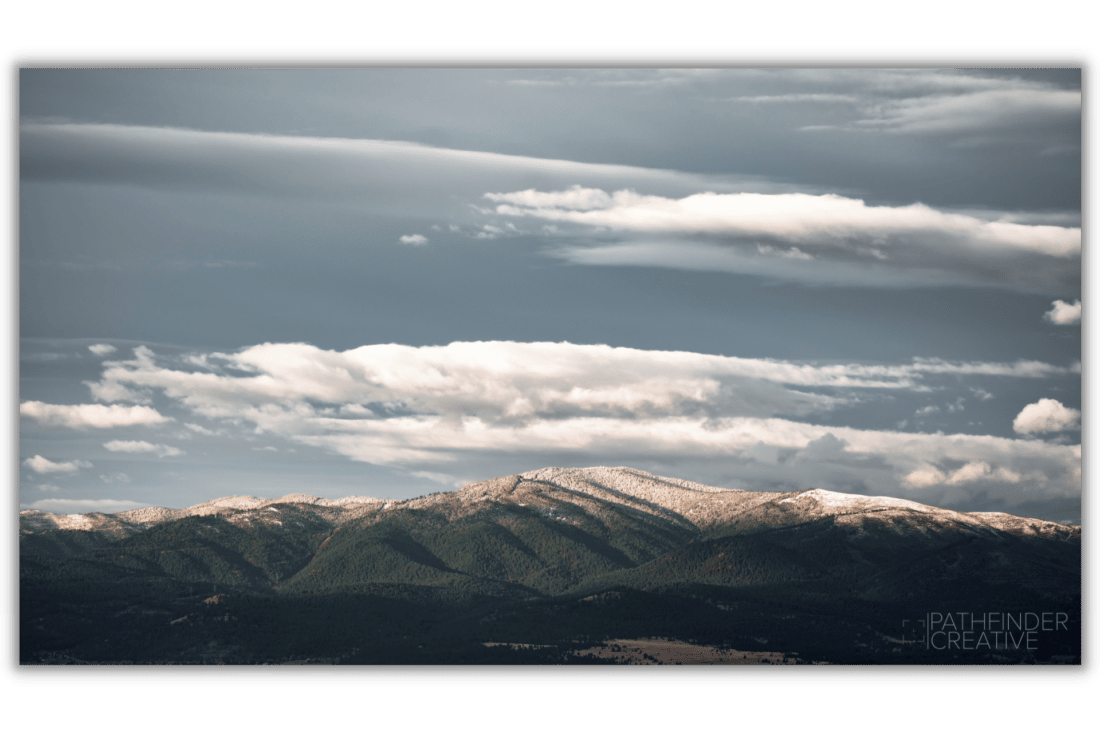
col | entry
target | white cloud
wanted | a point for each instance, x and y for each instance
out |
(85, 506)
(925, 411)
(416, 240)
(49, 487)
(38, 464)
(923, 477)
(141, 446)
(512, 382)
(825, 238)
(1063, 313)
(1046, 416)
(576, 198)
(975, 471)
(113, 478)
(101, 349)
(495, 379)
(798, 217)
(90, 416)
(972, 472)
(487, 408)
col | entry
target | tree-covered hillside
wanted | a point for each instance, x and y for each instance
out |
(554, 565)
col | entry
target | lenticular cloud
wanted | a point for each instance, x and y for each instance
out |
(838, 239)
(797, 216)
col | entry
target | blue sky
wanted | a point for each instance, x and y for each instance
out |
(388, 282)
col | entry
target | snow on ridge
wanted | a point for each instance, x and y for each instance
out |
(1006, 515)
(34, 520)
(347, 500)
(233, 502)
(836, 499)
(996, 520)
(318, 501)
(251, 502)
(620, 478)
(1028, 525)
(669, 498)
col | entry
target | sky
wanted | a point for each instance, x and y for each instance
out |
(395, 281)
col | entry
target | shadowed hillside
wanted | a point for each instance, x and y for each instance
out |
(553, 558)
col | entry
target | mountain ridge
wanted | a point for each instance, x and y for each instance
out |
(659, 495)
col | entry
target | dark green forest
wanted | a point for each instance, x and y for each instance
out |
(417, 588)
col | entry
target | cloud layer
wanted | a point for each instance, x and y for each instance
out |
(728, 223)
(85, 506)
(470, 410)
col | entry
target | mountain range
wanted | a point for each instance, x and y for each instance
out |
(544, 567)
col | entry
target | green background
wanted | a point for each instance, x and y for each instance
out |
(656, 700)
